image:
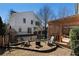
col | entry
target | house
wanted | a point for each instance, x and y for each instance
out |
(24, 22)
(60, 28)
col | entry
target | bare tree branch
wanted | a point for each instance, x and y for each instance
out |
(63, 12)
(45, 14)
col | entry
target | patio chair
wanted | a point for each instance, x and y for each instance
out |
(51, 41)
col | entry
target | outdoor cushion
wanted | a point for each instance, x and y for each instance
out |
(66, 40)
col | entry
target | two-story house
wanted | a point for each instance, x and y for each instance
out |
(24, 22)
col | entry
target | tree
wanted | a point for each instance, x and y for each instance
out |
(1, 25)
(76, 8)
(63, 12)
(45, 13)
(4, 28)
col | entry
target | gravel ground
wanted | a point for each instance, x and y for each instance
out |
(58, 52)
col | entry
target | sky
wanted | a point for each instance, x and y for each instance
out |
(24, 7)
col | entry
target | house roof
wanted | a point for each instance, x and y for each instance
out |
(69, 18)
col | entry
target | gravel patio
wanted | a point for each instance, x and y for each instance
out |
(58, 52)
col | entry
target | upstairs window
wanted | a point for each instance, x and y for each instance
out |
(24, 20)
(31, 21)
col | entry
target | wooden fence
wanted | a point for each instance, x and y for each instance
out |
(5, 39)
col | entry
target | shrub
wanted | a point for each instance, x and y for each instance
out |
(74, 42)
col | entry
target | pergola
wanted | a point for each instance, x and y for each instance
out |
(61, 27)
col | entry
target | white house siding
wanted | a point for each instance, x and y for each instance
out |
(16, 21)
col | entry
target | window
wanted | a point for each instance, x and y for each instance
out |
(20, 29)
(24, 20)
(65, 30)
(37, 23)
(34, 28)
(29, 30)
(31, 21)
